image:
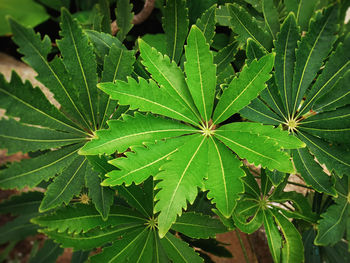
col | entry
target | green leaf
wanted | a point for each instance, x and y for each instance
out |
(196, 225)
(207, 23)
(103, 42)
(65, 186)
(53, 74)
(335, 157)
(274, 238)
(30, 14)
(158, 41)
(48, 253)
(118, 64)
(281, 137)
(146, 96)
(224, 176)
(259, 112)
(336, 97)
(302, 207)
(223, 59)
(17, 229)
(245, 88)
(26, 203)
(92, 239)
(180, 179)
(31, 105)
(80, 256)
(254, 51)
(292, 250)
(333, 126)
(169, 76)
(200, 72)
(137, 198)
(332, 224)
(271, 17)
(285, 58)
(305, 12)
(124, 248)
(178, 251)
(124, 16)
(328, 92)
(102, 197)
(312, 49)
(246, 26)
(31, 172)
(248, 145)
(16, 137)
(175, 25)
(275, 176)
(142, 162)
(133, 131)
(79, 59)
(248, 216)
(82, 218)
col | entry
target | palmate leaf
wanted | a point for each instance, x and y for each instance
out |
(59, 132)
(180, 162)
(261, 206)
(130, 236)
(319, 126)
(175, 25)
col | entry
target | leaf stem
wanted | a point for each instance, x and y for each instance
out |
(242, 246)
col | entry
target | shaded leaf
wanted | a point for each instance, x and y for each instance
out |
(175, 25)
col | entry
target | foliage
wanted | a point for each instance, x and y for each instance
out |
(155, 143)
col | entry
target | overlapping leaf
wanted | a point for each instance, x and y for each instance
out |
(133, 235)
(320, 120)
(259, 205)
(34, 123)
(180, 163)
